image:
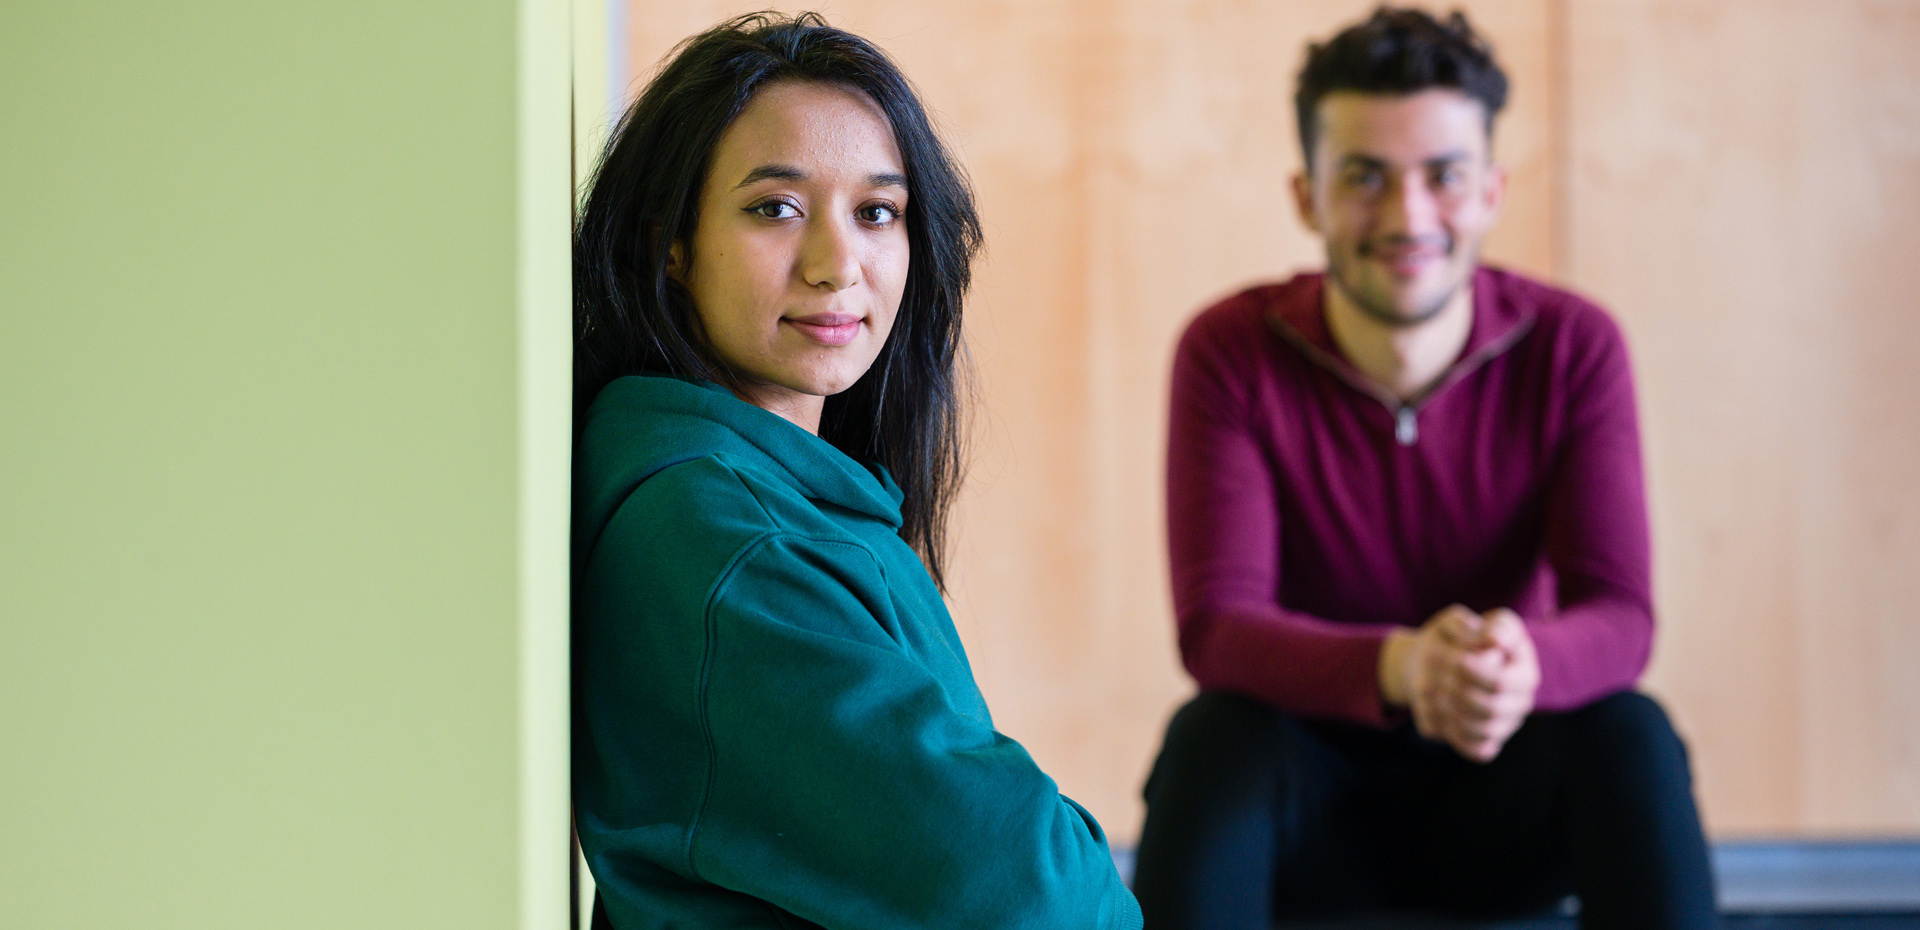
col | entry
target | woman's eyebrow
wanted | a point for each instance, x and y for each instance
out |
(772, 172)
(790, 173)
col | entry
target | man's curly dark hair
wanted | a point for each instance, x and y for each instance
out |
(1398, 50)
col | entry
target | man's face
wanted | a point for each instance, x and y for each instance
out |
(1403, 189)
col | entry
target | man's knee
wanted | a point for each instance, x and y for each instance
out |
(1223, 736)
(1214, 718)
(1629, 730)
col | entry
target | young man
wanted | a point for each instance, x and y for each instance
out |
(1410, 556)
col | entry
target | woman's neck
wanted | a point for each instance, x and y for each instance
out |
(802, 410)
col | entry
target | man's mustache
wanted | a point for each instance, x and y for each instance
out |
(1440, 242)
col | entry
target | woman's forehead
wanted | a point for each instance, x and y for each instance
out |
(817, 130)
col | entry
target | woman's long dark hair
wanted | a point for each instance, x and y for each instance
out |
(631, 317)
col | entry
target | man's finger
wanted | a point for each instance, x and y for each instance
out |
(1484, 751)
(1474, 748)
(1472, 730)
(1478, 670)
(1461, 627)
(1474, 704)
(1504, 628)
(1514, 703)
(1423, 717)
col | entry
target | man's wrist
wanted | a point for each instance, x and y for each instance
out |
(1393, 668)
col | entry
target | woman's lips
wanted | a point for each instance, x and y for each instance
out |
(828, 329)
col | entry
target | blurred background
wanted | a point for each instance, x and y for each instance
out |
(284, 353)
(1738, 181)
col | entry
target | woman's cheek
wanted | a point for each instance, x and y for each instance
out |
(896, 278)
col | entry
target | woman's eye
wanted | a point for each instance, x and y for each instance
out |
(879, 214)
(775, 210)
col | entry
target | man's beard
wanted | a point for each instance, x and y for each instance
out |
(1379, 307)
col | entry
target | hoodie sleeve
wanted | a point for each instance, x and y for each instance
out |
(844, 784)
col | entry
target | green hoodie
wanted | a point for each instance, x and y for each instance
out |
(776, 725)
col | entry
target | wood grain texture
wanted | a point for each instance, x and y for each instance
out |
(1744, 194)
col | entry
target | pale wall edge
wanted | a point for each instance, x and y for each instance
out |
(546, 43)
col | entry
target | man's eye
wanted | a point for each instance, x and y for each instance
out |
(1450, 177)
(1365, 180)
(775, 210)
(879, 214)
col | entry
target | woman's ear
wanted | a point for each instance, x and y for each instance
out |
(677, 262)
(676, 254)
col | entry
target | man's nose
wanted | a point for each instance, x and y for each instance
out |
(1411, 208)
(828, 255)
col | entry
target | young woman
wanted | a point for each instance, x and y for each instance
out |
(776, 725)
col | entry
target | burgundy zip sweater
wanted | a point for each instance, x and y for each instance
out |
(1310, 513)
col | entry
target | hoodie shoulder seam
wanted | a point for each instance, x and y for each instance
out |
(701, 711)
(703, 714)
(776, 524)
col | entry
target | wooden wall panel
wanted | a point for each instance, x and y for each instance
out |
(1745, 194)
(1131, 160)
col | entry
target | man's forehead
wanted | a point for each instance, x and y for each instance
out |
(1416, 127)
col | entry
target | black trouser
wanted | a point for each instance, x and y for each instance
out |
(1254, 815)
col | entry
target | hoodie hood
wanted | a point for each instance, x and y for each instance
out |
(642, 424)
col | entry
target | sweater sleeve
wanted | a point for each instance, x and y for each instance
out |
(1224, 528)
(1599, 639)
(846, 786)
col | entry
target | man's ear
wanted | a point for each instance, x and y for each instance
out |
(1303, 199)
(1496, 192)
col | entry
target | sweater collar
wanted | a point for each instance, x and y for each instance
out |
(1299, 315)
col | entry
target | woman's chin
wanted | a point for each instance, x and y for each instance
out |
(817, 383)
(831, 379)
(834, 386)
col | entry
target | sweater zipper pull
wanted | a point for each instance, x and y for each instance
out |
(1406, 430)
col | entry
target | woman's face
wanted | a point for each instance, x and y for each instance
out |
(799, 258)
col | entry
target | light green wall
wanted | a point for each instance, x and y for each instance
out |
(279, 644)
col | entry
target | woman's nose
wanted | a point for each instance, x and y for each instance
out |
(828, 257)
